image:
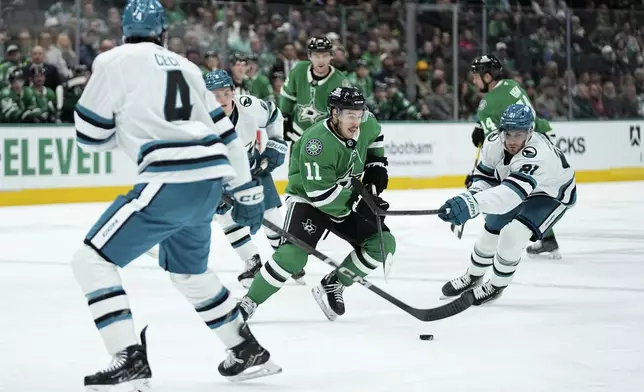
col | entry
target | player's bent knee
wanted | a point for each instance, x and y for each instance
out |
(372, 245)
(486, 243)
(199, 287)
(512, 240)
(289, 258)
(92, 271)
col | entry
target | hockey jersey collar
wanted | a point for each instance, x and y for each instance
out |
(309, 72)
(346, 142)
(234, 116)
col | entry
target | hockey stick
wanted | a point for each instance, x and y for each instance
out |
(379, 211)
(432, 314)
(458, 230)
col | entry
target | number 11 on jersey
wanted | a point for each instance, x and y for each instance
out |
(312, 171)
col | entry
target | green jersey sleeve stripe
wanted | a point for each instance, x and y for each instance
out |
(314, 194)
(327, 198)
(285, 95)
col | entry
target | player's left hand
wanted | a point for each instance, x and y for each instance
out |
(248, 205)
(375, 173)
(274, 154)
(223, 208)
(460, 209)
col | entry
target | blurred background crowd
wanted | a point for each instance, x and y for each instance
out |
(576, 59)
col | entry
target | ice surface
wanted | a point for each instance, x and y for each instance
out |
(571, 325)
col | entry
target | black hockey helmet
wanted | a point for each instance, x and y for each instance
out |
(347, 98)
(487, 64)
(16, 74)
(319, 44)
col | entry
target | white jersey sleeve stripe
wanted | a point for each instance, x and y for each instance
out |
(524, 178)
(94, 119)
(272, 112)
(378, 143)
(285, 95)
(228, 136)
(217, 114)
(94, 131)
(518, 189)
(96, 144)
(152, 146)
(485, 170)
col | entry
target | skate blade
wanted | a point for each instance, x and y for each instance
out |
(300, 281)
(142, 385)
(554, 255)
(267, 369)
(319, 295)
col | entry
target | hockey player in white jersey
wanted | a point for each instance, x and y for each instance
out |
(152, 104)
(525, 185)
(250, 114)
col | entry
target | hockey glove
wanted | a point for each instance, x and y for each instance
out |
(459, 209)
(290, 134)
(478, 135)
(375, 173)
(248, 205)
(274, 154)
(359, 207)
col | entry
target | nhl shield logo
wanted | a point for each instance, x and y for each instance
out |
(309, 227)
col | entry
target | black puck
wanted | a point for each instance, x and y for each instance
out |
(426, 337)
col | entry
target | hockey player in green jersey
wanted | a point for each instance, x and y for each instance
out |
(45, 97)
(13, 61)
(17, 102)
(487, 75)
(319, 198)
(307, 86)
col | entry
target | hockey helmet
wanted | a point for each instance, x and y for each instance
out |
(348, 98)
(319, 44)
(487, 64)
(517, 118)
(218, 79)
(144, 19)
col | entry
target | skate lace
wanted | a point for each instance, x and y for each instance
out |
(118, 361)
(232, 359)
(483, 291)
(336, 289)
(461, 282)
(247, 305)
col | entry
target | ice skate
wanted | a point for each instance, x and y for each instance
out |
(247, 360)
(129, 365)
(546, 248)
(247, 307)
(252, 267)
(328, 295)
(487, 293)
(458, 286)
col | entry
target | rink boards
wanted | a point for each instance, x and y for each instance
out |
(42, 164)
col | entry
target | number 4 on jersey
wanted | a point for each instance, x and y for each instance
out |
(177, 97)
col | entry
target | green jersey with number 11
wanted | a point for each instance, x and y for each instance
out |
(504, 94)
(322, 165)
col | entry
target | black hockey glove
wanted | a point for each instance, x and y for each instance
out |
(375, 173)
(478, 136)
(290, 135)
(359, 207)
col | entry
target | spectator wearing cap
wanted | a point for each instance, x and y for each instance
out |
(52, 77)
(379, 105)
(423, 80)
(440, 102)
(502, 55)
(11, 62)
(401, 108)
(361, 79)
(238, 67)
(258, 84)
(210, 62)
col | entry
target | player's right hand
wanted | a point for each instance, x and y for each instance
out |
(478, 136)
(248, 205)
(359, 207)
(290, 135)
(469, 179)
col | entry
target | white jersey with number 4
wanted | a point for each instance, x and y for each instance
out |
(251, 115)
(501, 181)
(153, 104)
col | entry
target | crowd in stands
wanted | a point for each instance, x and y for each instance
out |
(43, 71)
